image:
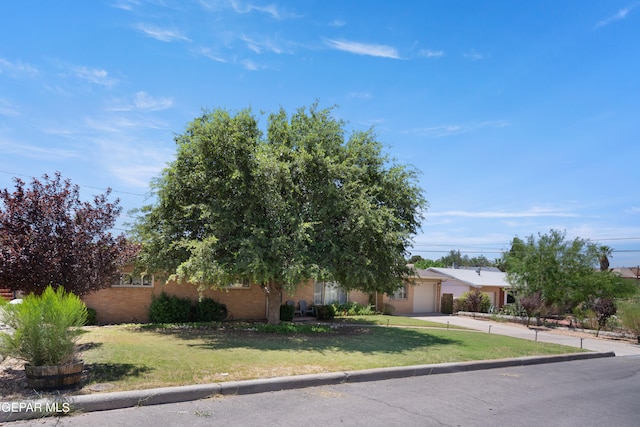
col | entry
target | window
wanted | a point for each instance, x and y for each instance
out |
(328, 293)
(128, 280)
(240, 284)
(400, 293)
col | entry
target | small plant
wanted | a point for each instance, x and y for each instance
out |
(287, 312)
(325, 312)
(388, 309)
(92, 317)
(45, 327)
(353, 309)
(447, 304)
(604, 308)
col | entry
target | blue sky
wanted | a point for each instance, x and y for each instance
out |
(521, 116)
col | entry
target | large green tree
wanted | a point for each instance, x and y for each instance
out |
(302, 202)
(564, 272)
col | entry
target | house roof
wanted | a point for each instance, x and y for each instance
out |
(477, 277)
(627, 272)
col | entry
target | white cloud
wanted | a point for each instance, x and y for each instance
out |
(454, 129)
(36, 152)
(162, 34)
(473, 55)
(142, 101)
(95, 75)
(249, 65)
(209, 53)
(272, 10)
(8, 109)
(379, 50)
(17, 69)
(359, 95)
(146, 102)
(428, 53)
(337, 23)
(121, 124)
(127, 5)
(262, 45)
(621, 14)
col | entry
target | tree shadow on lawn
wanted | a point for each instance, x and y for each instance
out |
(111, 372)
(108, 372)
(347, 338)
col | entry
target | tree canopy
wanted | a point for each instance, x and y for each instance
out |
(302, 202)
(563, 272)
(49, 236)
(453, 259)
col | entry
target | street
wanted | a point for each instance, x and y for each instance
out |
(579, 393)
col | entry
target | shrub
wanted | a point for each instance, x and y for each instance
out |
(388, 309)
(45, 327)
(286, 312)
(169, 309)
(92, 317)
(474, 301)
(352, 309)
(630, 317)
(604, 308)
(585, 318)
(447, 304)
(210, 310)
(511, 310)
(325, 312)
(531, 304)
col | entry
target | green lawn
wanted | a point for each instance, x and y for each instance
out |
(132, 357)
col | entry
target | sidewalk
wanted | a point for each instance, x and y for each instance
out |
(577, 339)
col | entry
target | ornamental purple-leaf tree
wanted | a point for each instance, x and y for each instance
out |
(49, 236)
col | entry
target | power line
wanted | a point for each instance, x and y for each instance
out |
(79, 185)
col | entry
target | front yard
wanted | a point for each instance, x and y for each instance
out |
(127, 357)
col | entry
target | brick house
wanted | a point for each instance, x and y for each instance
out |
(128, 300)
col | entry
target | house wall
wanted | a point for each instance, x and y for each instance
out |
(120, 305)
(498, 295)
(302, 292)
(131, 304)
(406, 306)
(455, 288)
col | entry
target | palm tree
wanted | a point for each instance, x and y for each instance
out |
(604, 253)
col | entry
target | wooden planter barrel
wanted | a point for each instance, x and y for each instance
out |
(54, 377)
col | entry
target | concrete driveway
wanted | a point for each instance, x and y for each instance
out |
(564, 337)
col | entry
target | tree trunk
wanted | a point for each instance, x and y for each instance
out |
(274, 300)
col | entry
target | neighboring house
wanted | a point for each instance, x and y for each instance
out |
(128, 300)
(424, 291)
(630, 274)
(489, 281)
(421, 294)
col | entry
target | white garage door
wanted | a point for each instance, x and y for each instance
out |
(492, 297)
(424, 299)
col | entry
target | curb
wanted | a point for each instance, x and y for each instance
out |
(30, 409)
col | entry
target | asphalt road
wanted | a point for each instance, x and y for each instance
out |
(597, 392)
